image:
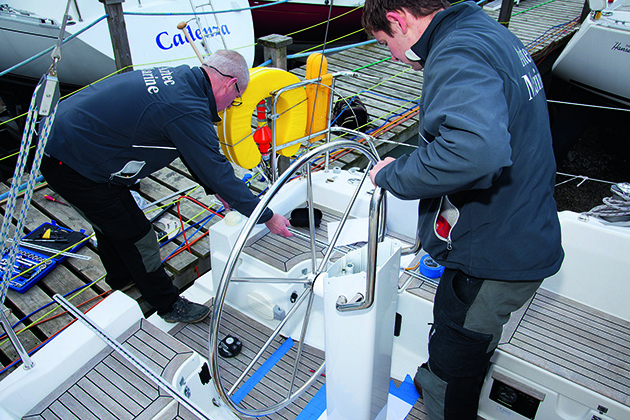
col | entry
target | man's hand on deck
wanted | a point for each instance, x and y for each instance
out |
(278, 225)
(380, 165)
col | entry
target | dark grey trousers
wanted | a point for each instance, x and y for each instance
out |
(468, 315)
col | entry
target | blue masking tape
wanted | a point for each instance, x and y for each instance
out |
(315, 407)
(406, 391)
(429, 268)
(262, 371)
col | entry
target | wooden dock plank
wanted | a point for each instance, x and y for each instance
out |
(27, 337)
(532, 18)
(153, 191)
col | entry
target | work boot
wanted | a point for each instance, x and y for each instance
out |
(186, 311)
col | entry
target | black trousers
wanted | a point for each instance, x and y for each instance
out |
(127, 244)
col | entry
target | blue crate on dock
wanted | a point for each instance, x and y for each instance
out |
(32, 264)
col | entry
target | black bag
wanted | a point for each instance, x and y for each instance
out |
(299, 217)
(350, 114)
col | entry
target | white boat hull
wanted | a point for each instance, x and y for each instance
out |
(597, 58)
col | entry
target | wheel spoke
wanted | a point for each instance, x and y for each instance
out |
(271, 280)
(298, 356)
(311, 216)
(272, 337)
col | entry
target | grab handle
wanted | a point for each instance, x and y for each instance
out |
(376, 232)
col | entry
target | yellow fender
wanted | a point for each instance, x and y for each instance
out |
(235, 129)
(318, 95)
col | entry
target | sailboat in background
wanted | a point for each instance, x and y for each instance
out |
(28, 27)
(597, 58)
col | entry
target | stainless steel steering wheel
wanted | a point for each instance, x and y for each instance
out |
(301, 164)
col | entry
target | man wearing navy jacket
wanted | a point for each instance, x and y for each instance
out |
(484, 172)
(114, 133)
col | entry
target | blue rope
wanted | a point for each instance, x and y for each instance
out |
(203, 221)
(3, 336)
(544, 35)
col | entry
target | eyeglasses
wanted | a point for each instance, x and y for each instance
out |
(235, 102)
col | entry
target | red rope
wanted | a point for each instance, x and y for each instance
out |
(181, 221)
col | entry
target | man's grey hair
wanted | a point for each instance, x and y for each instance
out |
(232, 63)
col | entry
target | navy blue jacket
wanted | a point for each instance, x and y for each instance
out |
(485, 161)
(124, 128)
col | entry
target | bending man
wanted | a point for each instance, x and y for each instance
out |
(114, 133)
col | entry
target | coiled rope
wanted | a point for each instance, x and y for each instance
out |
(616, 209)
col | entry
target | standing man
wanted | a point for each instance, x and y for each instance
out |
(484, 172)
(112, 134)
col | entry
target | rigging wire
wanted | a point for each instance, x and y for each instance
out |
(327, 22)
(44, 102)
(321, 62)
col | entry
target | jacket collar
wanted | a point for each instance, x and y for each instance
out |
(420, 50)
